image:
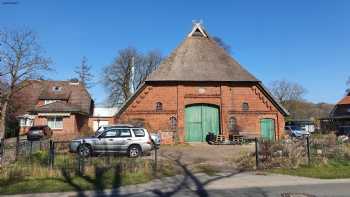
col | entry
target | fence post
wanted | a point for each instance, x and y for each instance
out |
(51, 154)
(81, 164)
(2, 150)
(155, 160)
(17, 148)
(31, 148)
(308, 150)
(256, 154)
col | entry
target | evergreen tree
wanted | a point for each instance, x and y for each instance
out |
(83, 72)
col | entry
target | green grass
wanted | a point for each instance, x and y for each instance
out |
(335, 169)
(35, 177)
(50, 184)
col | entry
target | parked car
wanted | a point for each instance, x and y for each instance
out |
(124, 139)
(156, 139)
(102, 128)
(39, 133)
(343, 130)
(296, 131)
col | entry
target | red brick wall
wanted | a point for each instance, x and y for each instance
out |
(229, 98)
(73, 126)
(70, 127)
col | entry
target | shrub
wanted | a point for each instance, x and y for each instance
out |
(245, 161)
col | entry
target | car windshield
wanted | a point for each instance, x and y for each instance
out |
(36, 128)
(99, 131)
(296, 128)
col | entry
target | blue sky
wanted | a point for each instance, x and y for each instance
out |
(301, 41)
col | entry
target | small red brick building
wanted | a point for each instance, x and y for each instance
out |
(340, 115)
(65, 106)
(198, 89)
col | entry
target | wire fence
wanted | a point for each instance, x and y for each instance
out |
(55, 155)
(292, 153)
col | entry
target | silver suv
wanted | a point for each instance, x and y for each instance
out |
(133, 141)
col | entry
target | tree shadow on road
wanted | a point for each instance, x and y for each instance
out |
(188, 181)
(97, 182)
(189, 178)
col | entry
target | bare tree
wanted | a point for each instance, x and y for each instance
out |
(83, 71)
(127, 72)
(290, 95)
(222, 44)
(21, 60)
(148, 63)
(117, 76)
(287, 91)
(348, 85)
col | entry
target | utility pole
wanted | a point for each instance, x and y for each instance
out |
(132, 88)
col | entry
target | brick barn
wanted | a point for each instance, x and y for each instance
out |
(198, 89)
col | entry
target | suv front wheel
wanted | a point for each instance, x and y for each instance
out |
(134, 151)
(84, 150)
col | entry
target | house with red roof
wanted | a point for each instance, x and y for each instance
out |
(65, 106)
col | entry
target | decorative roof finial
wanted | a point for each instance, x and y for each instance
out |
(197, 29)
(197, 22)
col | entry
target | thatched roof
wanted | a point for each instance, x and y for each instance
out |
(200, 58)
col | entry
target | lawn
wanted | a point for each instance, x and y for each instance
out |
(33, 175)
(334, 169)
(76, 183)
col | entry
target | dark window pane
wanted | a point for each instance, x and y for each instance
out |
(124, 133)
(245, 106)
(173, 122)
(139, 132)
(159, 106)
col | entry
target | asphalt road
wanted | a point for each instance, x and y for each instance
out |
(227, 185)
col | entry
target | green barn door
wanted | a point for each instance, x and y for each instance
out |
(210, 120)
(193, 123)
(267, 129)
(201, 119)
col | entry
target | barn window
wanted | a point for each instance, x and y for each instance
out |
(232, 124)
(159, 106)
(245, 106)
(173, 122)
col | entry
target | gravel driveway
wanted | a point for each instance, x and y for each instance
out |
(202, 153)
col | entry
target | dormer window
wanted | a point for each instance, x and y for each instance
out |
(56, 88)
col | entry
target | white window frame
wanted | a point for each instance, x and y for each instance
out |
(26, 122)
(22, 122)
(55, 122)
